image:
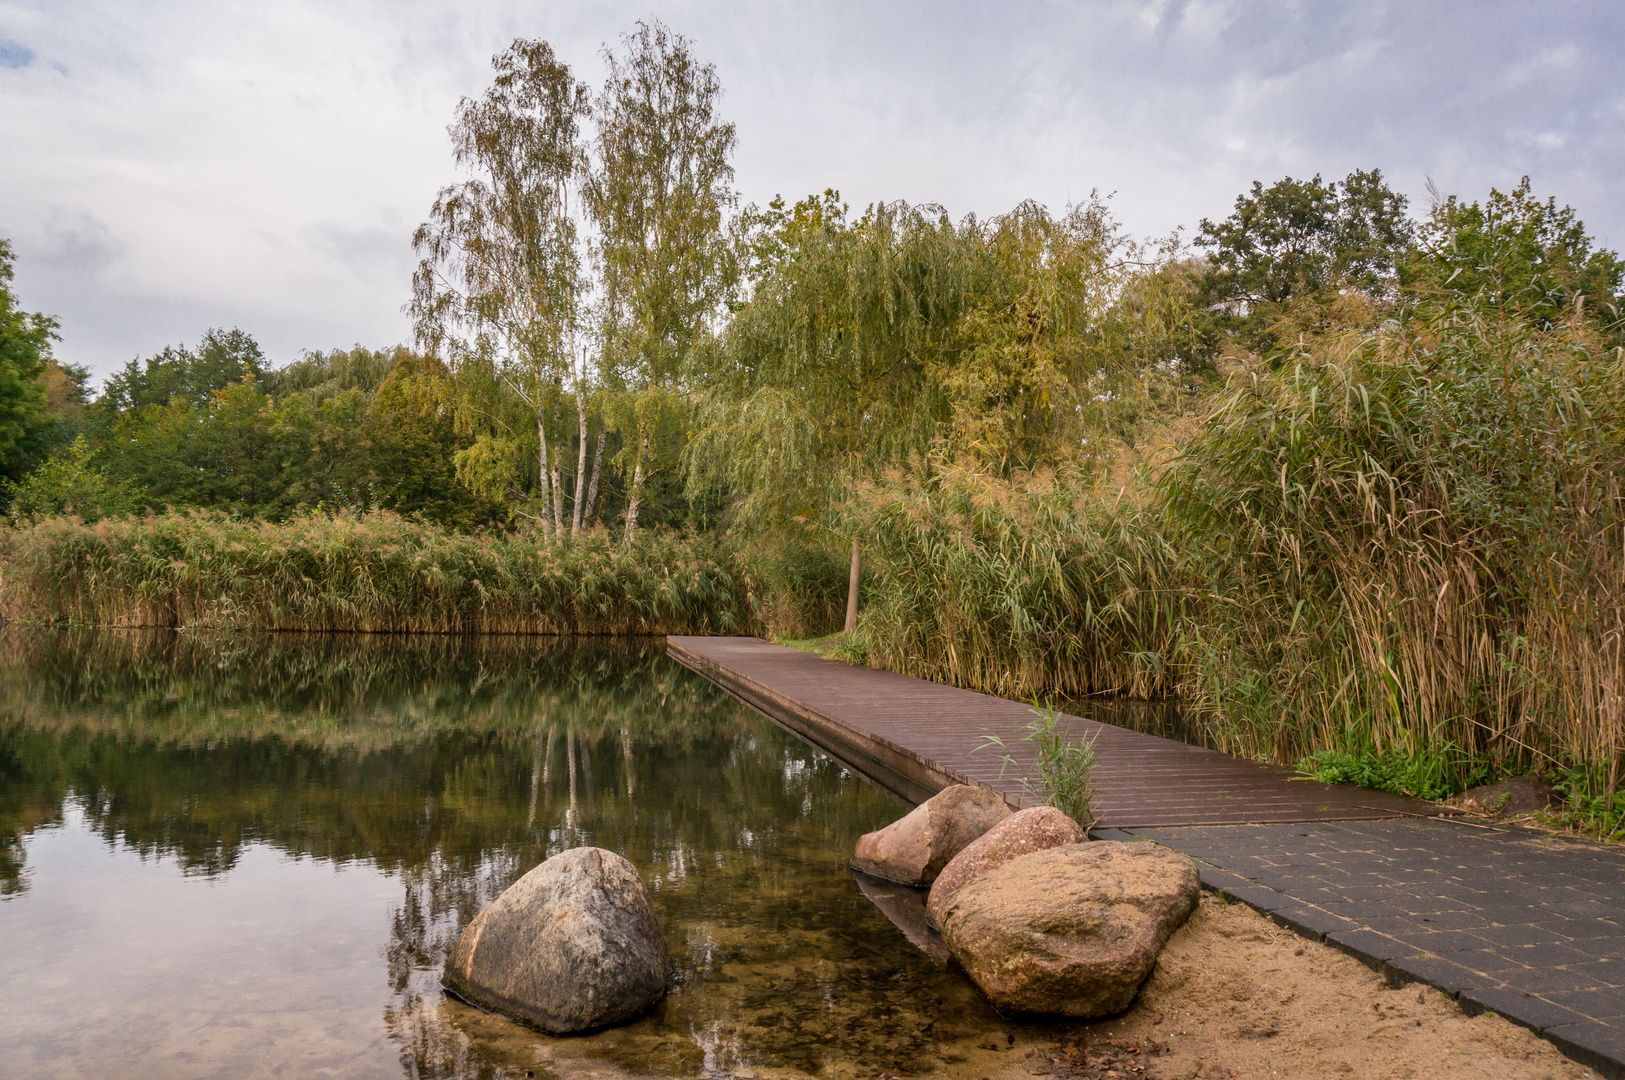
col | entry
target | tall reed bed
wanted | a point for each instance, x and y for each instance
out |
(1411, 542)
(1017, 588)
(370, 573)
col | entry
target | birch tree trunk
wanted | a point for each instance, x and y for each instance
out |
(634, 499)
(581, 464)
(597, 463)
(541, 465)
(558, 488)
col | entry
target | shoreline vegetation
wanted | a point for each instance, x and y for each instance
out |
(1343, 480)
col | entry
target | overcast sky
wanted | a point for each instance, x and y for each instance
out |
(168, 167)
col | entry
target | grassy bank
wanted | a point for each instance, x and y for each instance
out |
(370, 573)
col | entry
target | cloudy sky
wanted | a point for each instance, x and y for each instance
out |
(168, 167)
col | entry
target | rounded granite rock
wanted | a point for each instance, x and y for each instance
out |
(1073, 930)
(1037, 828)
(913, 849)
(571, 946)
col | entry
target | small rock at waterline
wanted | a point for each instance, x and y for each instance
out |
(914, 849)
(1073, 930)
(1038, 828)
(573, 945)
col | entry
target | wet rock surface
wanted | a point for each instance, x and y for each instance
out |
(571, 946)
(914, 849)
(1073, 930)
(1037, 828)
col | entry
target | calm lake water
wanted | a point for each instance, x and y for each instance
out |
(247, 856)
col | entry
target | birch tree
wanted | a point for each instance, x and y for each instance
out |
(500, 282)
(659, 193)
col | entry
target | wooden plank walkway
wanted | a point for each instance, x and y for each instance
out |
(915, 737)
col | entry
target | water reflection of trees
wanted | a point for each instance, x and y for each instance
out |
(456, 766)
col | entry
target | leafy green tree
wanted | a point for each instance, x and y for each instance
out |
(25, 353)
(190, 375)
(659, 192)
(412, 427)
(499, 285)
(1522, 257)
(1297, 239)
(70, 483)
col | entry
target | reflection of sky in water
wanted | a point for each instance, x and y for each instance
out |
(228, 871)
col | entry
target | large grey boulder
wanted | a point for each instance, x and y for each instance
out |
(1037, 828)
(573, 945)
(914, 849)
(1073, 930)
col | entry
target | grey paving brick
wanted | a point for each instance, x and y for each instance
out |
(1518, 1006)
(1368, 946)
(1435, 971)
(1593, 1004)
(1599, 1045)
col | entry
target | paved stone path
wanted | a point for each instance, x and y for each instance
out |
(1515, 921)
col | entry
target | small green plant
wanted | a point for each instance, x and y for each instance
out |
(1587, 804)
(1062, 767)
(1436, 772)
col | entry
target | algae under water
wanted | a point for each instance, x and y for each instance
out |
(248, 855)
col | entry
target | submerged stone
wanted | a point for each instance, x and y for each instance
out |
(914, 849)
(1036, 828)
(1073, 930)
(573, 945)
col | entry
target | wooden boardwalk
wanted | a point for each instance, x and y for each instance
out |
(915, 737)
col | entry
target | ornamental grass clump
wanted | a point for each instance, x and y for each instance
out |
(370, 573)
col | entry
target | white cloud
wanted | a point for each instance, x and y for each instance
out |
(170, 168)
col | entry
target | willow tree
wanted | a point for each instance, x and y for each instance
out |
(500, 284)
(659, 194)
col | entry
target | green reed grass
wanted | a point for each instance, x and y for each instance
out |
(1016, 588)
(373, 573)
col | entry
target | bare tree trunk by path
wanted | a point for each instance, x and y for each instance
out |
(597, 463)
(852, 589)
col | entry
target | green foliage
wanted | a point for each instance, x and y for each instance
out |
(1521, 258)
(69, 483)
(1300, 238)
(1592, 801)
(25, 352)
(1431, 772)
(191, 376)
(1060, 774)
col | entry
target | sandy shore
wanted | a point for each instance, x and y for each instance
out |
(1233, 995)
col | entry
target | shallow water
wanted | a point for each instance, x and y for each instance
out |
(247, 856)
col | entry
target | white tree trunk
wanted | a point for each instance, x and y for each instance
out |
(581, 464)
(597, 465)
(558, 488)
(634, 499)
(541, 466)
